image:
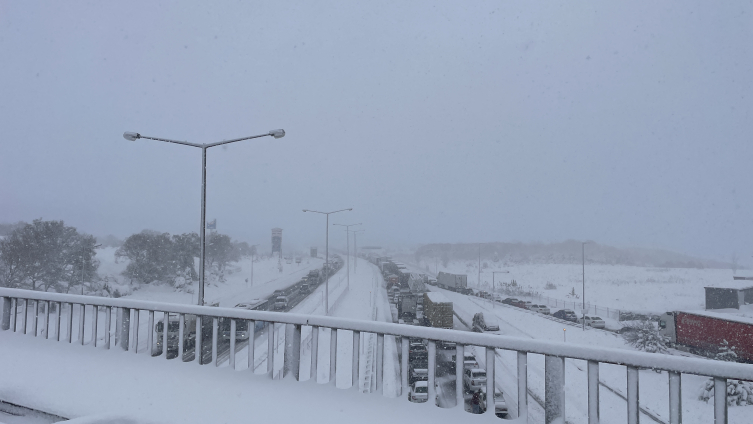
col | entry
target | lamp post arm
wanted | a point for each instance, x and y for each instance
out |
(185, 143)
(219, 143)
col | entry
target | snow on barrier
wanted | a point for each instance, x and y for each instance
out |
(124, 335)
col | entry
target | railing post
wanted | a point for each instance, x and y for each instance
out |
(632, 395)
(720, 401)
(231, 357)
(554, 389)
(198, 339)
(593, 392)
(523, 386)
(215, 359)
(57, 320)
(35, 318)
(81, 323)
(459, 364)
(15, 314)
(124, 327)
(108, 325)
(181, 336)
(333, 356)
(47, 319)
(5, 321)
(404, 346)
(26, 315)
(356, 358)
(251, 347)
(432, 370)
(69, 323)
(293, 351)
(95, 320)
(490, 367)
(380, 364)
(136, 316)
(165, 330)
(675, 397)
(150, 334)
(271, 349)
(313, 374)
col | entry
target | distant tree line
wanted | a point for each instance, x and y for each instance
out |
(50, 256)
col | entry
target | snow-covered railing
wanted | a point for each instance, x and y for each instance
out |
(125, 334)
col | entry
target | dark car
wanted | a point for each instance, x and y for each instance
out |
(510, 301)
(566, 314)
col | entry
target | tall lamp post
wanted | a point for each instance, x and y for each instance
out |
(347, 237)
(355, 251)
(326, 260)
(133, 136)
(493, 274)
(253, 253)
(583, 311)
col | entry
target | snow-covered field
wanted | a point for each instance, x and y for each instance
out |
(630, 288)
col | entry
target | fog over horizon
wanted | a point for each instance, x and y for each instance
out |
(628, 124)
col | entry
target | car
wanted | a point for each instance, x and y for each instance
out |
(484, 323)
(500, 404)
(519, 304)
(593, 321)
(469, 362)
(510, 301)
(419, 392)
(542, 309)
(627, 329)
(497, 297)
(474, 379)
(418, 371)
(527, 304)
(566, 314)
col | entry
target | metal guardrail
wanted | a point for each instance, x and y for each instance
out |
(555, 352)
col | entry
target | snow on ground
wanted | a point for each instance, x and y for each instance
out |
(153, 389)
(629, 288)
(654, 388)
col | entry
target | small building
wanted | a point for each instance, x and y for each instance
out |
(313, 252)
(728, 297)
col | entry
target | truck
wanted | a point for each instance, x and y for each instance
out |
(437, 310)
(704, 333)
(454, 282)
(406, 307)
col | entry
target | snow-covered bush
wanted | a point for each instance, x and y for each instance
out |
(550, 286)
(645, 336)
(739, 392)
(726, 352)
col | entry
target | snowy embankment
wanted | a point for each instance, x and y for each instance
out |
(629, 288)
(654, 388)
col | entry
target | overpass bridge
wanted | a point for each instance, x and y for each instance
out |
(84, 356)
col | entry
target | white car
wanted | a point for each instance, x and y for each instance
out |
(500, 405)
(592, 321)
(419, 391)
(474, 379)
(542, 309)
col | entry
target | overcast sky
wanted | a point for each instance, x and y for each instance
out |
(628, 123)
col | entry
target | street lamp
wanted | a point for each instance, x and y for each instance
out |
(133, 136)
(253, 253)
(347, 255)
(493, 274)
(583, 311)
(355, 250)
(326, 260)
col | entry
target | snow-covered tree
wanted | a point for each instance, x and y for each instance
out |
(739, 392)
(645, 336)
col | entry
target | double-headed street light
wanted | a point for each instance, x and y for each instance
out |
(347, 237)
(326, 257)
(583, 251)
(133, 136)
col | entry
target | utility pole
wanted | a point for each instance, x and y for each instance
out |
(253, 253)
(326, 257)
(479, 266)
(583, 253)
